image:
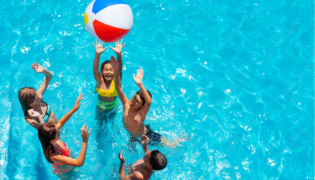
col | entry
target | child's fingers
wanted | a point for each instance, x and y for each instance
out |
(121, 41)
(90, 132)
(87, 127)
(123, 45)
(134, 76)
(102, 43)
(111, 47)
(83, 127)
(94, 45)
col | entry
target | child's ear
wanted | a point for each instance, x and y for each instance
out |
(149, 166)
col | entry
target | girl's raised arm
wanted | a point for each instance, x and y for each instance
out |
(66, 117)
(80, 160)
(39, 69)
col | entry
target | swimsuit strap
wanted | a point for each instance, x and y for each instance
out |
(47, 114)
(112, 92)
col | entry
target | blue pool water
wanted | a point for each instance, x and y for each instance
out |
(235, 76)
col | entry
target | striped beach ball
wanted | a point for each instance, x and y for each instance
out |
(108, 20)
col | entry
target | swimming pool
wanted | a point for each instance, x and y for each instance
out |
(235, 76)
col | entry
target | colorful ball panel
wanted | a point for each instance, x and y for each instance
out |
(108, 20)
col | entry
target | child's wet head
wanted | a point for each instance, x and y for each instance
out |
(47, 133)
(28, 97)
(107, 71)
(138, 100)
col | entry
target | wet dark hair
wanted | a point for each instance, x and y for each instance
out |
(142, 96)
(27, 96)
(158, 161)
(46, 133)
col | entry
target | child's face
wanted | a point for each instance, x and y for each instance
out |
(108, 72)
(136, 102)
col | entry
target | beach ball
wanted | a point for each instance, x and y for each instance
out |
(108, 20)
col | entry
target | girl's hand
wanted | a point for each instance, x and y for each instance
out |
(85, 134)
(138, 78)
(38, 68)
(33, 113)
(122, 158)
(99, 47)
(114, 63)
(78, 103)
(118, 47)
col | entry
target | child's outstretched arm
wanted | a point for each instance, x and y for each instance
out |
(138, 80)
(117, 50)
(39, 69)
(135, 176)
(80, 160)
(65, 118)
(120, 92)
(99, 50)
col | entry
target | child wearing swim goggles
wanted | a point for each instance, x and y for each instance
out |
(36, 110)
(105, 84)
(56, 151)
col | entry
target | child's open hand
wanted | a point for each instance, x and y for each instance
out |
(85, 134)
(99, 47)
(138, 78)
(38, 68)
(78, 103)
(118, 47)
(114, 63)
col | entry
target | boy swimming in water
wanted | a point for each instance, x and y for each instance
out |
(135, 111)
(143, 168)
(105, 83)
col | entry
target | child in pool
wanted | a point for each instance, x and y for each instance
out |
(135, 111)
(33, 104)
(56, 151)
(143, 168)
(105, 84)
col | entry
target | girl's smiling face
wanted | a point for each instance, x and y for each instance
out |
(108, 72)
